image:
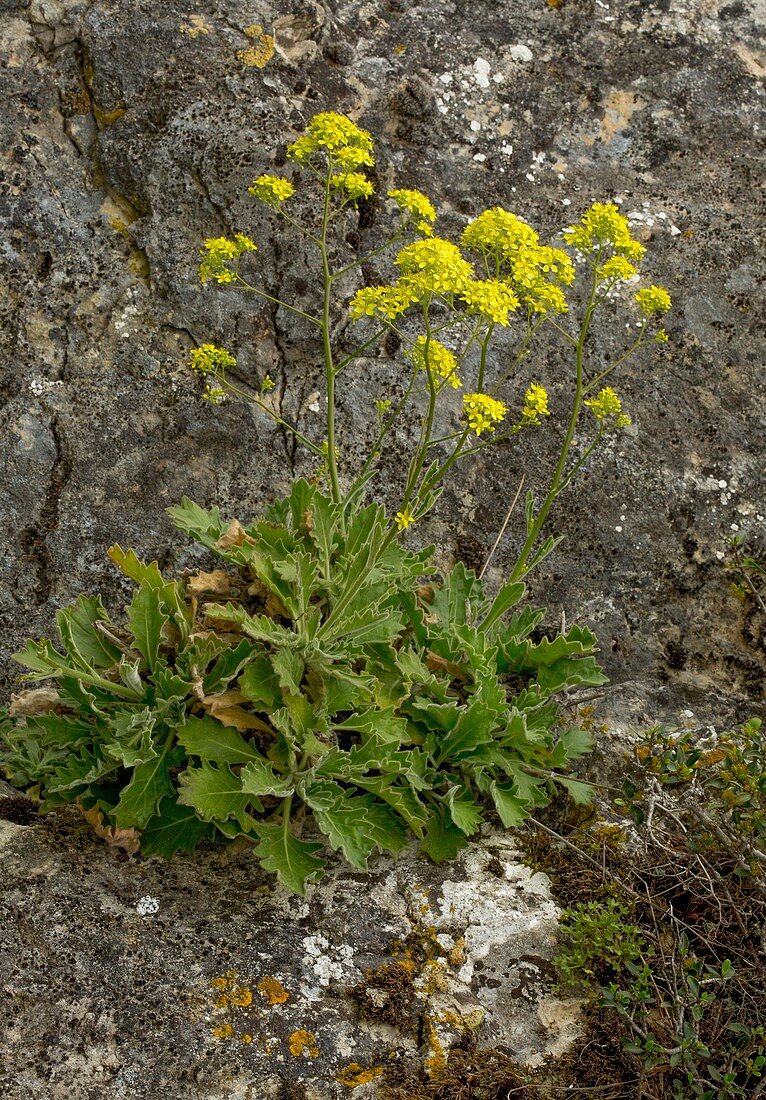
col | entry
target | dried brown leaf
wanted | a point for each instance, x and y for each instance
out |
(36, 701)
(234, 535)
(217, 583)
(226, 709)
(127, 839)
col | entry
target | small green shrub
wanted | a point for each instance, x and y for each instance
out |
(326, 679)
(599, 942)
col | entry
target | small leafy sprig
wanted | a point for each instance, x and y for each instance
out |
(314, 692)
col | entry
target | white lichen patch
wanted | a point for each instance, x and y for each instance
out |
(326, 963)
(147, 906)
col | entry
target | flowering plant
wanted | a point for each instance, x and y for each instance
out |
(327, 681)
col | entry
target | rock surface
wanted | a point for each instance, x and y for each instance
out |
(131, 131)
(139, 979)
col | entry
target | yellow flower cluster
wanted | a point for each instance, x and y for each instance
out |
(272, 190)
(347, 145)
(533, 271)
(653, 299)
(403, 520)
(498, 233)
(209, 359)
(603, 224)
(386, 302)
(416, 207)
(434, 266)
(440, 360)
(535, 404)
(606, 404)
(219, 253)
(355, 185)
(482, 412)
(617, 267)
(492, 298)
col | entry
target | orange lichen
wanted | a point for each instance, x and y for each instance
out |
(223, 1031)
(272, 990)
(246, 1039)
(230, 993)
(354, 1075)
(303, 1042)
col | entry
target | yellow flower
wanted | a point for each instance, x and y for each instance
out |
(535, 404)
(605, 403)
(272, 190)
(434, 266)
(416, 205)
(403, 520)
(661, 336)
(492, 298)
(500, 233)
(209, 359)
(386, 302)
(219, 253)
(440, 360)
(482, 412)
(354, 184)
(617, 267)
(601, 225)
(653, 299)
(347, 144)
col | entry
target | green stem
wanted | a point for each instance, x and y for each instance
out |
(559, 478)
(277, 301)
(368, 255)
(274, 416)
(327, 279)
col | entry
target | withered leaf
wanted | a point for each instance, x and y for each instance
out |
(36, 701)
(127, 839)
(226, 709)
(234, 535)
(217, 583)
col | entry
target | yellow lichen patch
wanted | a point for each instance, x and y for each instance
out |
(354, 1075)
(261, 51)
(246, 1039)
(223, 1031)
(435, 1058)
(272, 990)
(196, 26)
(230, 992)
(303, 1042)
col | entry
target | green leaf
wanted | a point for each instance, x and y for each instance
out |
(86, 645)
(459, 599)
(511, 809)
(210, 740)
(463, 810)
(580, 793)
(259, 778)
(215, 793)
(577, 742)
(175, 829)
(293, 860)
(442, 839)
(228, 666)
(259, 685)
(132, 567)
(132, 743)
(205, 527)
(140, 800)
(259, 627)
(146, 619)
(511, 593)
(289, 667)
